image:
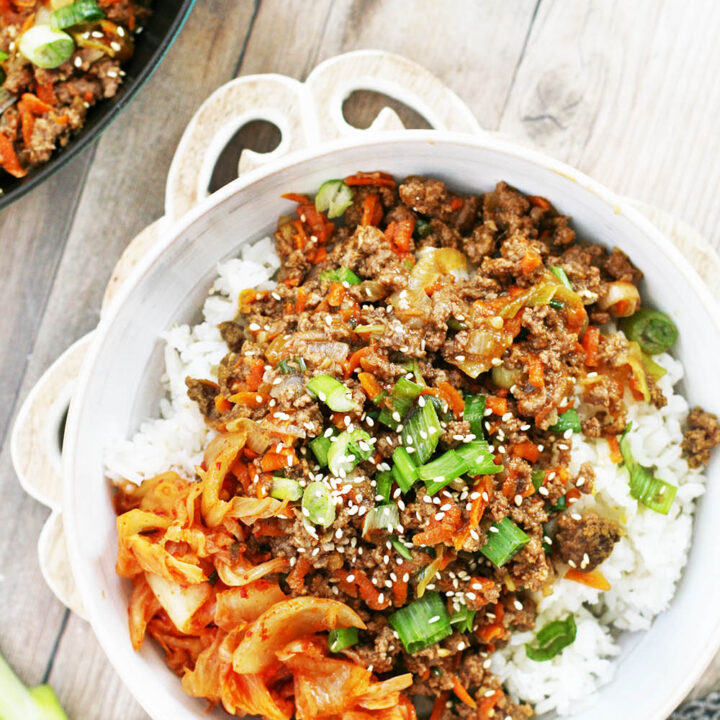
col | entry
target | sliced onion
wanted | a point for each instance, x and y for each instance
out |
(480, 347)
(620, 299)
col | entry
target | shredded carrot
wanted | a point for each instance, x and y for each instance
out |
(443, 530)
(320, 255)
(572, 496)
(255, 375)
(461, 692)
(278, 460)
(456, 203)
(336, 294)
(296, 577)
(34, 104)
(439, 706)
(399, 590)
(487, 705)
(267, 528)
(60, 119)
(373, 178)
(46, 93)
(590, 343)
(369, 384)
(372, 597)
(530, 261)
(296, 197)
(27, 124)
(301, 300)
(498, 405)
(371, 210)
(615, 454)
(594, 578)
(483, 489)
(453, 396)
(28, 23)
(539, 202)
(349, 587)
(535, 371)
(316, 222)
(300, 237)
(222, 404)
(338, 420)
(353, 361)
(526, 450)
(399, 234)
(250, 399)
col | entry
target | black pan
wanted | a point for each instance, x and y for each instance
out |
(151, 45)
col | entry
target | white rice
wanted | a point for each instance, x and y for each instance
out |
(643, 568)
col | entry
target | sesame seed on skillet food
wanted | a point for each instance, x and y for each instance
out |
(394, 452)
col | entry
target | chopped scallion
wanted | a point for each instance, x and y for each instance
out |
(401, 399)
(561, 275)
(569, 420)
(653, 330)
(401, 549)
(332, 392)
(463, 619)
(341, 275)
(441, 471)
(504, 540)
(478, 458)
(320, 447)
(404, 470)
(348, 449)
(644, 486)
(553, 638)
(45, 47)
(342, 638)
(538, 478)
(317, 504)
(422, 623)
(286, 489)
(382, 517)
(335, 197)
(556, 304)
(475, 413)
(384, 482)
(422, 431)
(77, 13)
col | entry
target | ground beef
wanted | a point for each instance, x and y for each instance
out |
(203, 392)
(585, 541)
(701, 435)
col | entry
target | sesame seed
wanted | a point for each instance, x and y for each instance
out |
(547, 539)
(433, 619)
(496, 362)
(518, 500)
(543, 491)
(572, 564)
(576, 516)
(507, 416)
(518, 605)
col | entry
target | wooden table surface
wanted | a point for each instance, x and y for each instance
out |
(626, 90)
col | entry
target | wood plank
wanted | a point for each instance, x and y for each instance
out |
(473, 48)
(627, 92)
(124, 193)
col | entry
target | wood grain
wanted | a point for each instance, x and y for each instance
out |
(627, 91)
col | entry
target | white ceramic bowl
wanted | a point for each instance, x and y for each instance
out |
(119, 385)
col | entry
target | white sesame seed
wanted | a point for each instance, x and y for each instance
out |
(433, 619)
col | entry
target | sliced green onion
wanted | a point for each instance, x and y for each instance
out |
(382, 517)
(505, 377)
(317, 504)
(569, 420)
(384, 481)
(286, 489)
(561, 275)
(286, 368)
(422, 623)
(422, 228)
(335, 197)
(404, 470)
(653, 330)
(413, 366)
(332, 392)
(401, 549)
(504, 540)
(652, 369)
(402, 397)
(553, 638)
(341, 275)
(81, 11)
(422, 431)
(538, 478)
(559, 506)
(478, 458)
(348, 449)
(475, 414)
(320, 447)
(3, 56)
(463, 619)
(442, 471)
(455, 325)
(556, 304)
(45, 47)
(342, 638)
(644, 486)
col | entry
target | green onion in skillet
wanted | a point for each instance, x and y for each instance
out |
(335, 197)
(442, 471)
(504, 540)
(382, 517)
(342, 638)
(422, 431)
(332, 392)
(45, 47)
(349, 448)
(404, 471)
(341, 275)
(403, 395)
(561, 275)
(320, 447)
(538, 478)
(401, 549)
(285, 489)
(654, 331)
(463, 619)
(422, 623)
(553, 638)
(475, 413)
(383, 481)
(317, 504)
(81, 11)
(569, 420)
(478, 458)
